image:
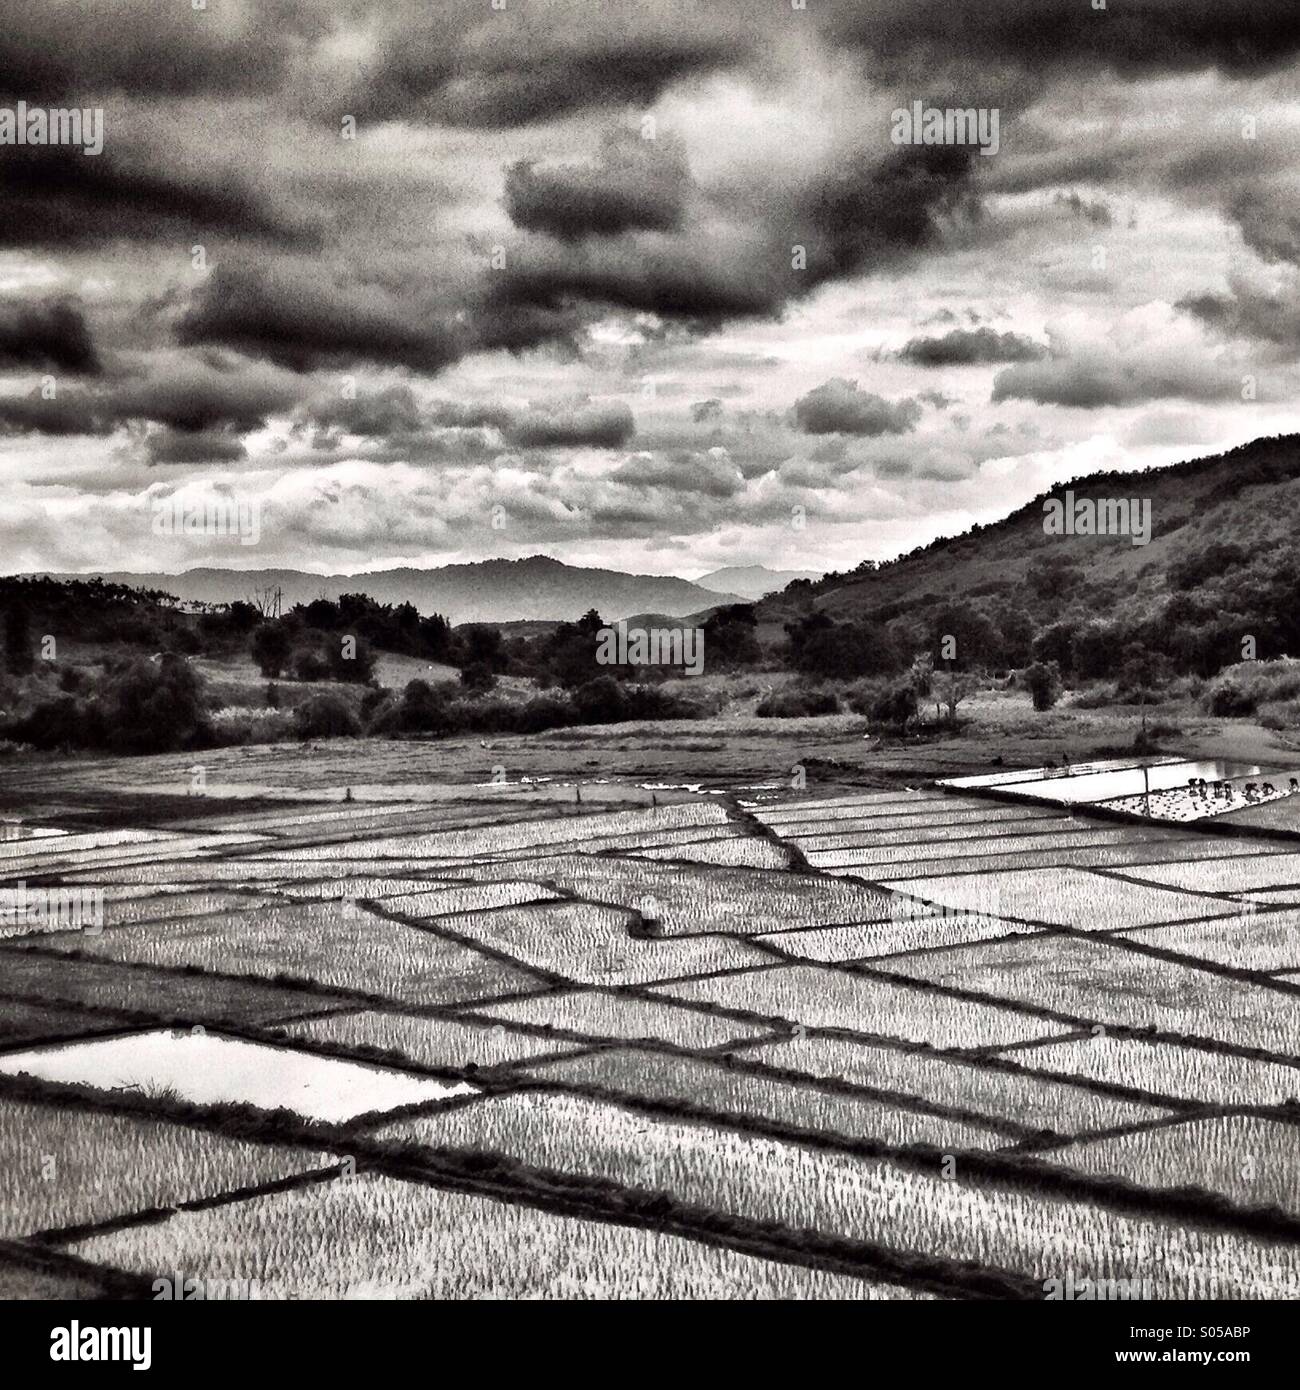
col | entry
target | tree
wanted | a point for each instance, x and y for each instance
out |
(478, 677)
(270, 648)
(1043, 681)
(950, 688)
(18, 638)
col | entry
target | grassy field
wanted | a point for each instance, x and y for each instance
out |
(715, 1001)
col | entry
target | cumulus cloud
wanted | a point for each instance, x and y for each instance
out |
(964, 346)
(597, 425)
(842, 407)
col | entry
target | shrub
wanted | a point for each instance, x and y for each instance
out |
(236, 724)
(894, 705)
(478, 676)
(270, 649)
(1043, 681)
(797, 703)
(325, 716)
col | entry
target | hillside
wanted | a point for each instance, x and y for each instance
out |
(1223, 554)
(489, 591)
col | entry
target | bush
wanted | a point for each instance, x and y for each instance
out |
(270, 649)
(325, 716)
(154, 707)
(894, 705)
(1227, 697)
(1043, 681)
(798, 703)
(478, 676)
(237, 725)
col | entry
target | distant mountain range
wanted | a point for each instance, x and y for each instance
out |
(752, 581)
(487, 591)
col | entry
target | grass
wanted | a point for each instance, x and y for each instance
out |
(63, 1166)
(716, 1086)
(685, 899)
(1066, 897)
(602, 1014)
(1249, 1160)
(334, 945)
(1030, 1101)
(821, 998)
(1101, 983)
(590, 943)
(430, 1042)
(1213, 1078)
(875, 1200)
(376, 1237)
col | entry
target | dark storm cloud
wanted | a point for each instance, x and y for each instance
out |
(463, 63)
(189, 398)
(964, 346)
(871, 209)
(46, 334)
(634, 183)
(604, 425)
(1269, 219)
(841, 407)
(56, 196)
(917, 37)
(205, 446)
(60, 48)
(1251, 313)
(305, 314)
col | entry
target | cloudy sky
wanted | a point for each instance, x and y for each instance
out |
(639, 283)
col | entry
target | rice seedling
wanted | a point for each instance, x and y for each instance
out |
(929, 832)
(58, 845)
(432, 901)
(684, 900)
(100, 985)
(596, 1013)
(872, 854)
(591, 943)
(1100, 982)
(734, 852)
(1031, 1101)
(1066, 897)
(921, 822)
(1259, 940)
(518, 835)
(375, 886)
(429, 1041)
(375, 1237)
(715, 1086)
(821, 998)
(335, 945)
(1186, 1073)
(207, 1069)
(1251, 1161)
(1237, 875)
(1143, 848)
(63, 1166)
(29, 1020)
(908, 931)
(903, 1208)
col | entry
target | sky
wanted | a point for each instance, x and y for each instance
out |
(654, 285)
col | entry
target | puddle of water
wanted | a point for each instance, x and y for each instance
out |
(1068, 789)
(16, 830)
(208, 1069)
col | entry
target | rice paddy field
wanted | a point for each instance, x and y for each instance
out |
(362, 1035)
